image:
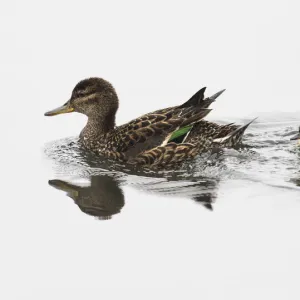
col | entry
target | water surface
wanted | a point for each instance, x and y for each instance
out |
(224, 227)
(267, 159)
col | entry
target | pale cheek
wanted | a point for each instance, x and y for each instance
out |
(91, 110)
(83, 109)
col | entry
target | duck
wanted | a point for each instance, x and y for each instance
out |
(296, 137)
(161, 138)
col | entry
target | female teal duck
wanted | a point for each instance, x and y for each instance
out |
(164, 137)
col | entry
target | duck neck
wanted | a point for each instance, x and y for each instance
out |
(96, 127)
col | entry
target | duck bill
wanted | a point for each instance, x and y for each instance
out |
(64, 109)
(296, 137)
(64, 186)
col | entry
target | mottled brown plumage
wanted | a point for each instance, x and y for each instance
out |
(228, 135)
(171, 153)
(145, 140)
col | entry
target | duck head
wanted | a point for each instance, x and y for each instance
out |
(93, 97)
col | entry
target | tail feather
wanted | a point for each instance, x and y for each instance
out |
(235, 137)
(216, 95)
(195, 99)
(198, 99)
(209, 100)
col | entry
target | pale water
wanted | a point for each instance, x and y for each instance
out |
(224, 227)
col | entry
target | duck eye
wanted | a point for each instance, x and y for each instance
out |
(80, 92)
(77, 94)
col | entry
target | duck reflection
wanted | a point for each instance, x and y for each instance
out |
(102, 199)
(202, 191)
(206, 200)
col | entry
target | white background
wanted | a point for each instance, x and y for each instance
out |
(156, 54)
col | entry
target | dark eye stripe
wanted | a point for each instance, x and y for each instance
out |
(87, 98)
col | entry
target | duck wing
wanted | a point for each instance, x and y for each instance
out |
(171, 154)
(152, 130)
(155, 128)
(197, 99)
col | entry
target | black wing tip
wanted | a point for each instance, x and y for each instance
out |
(196, 99)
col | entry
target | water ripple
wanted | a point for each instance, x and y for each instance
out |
(267, 157)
